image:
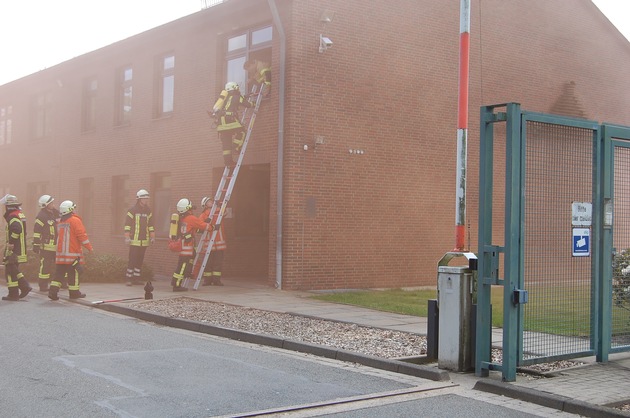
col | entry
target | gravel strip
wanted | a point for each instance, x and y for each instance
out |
(351, 337)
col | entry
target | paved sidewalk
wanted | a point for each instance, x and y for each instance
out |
(583, 390)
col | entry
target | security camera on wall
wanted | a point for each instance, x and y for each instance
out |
(324, 43)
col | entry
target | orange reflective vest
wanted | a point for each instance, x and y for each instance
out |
(219, 240)
(188, 225)
(71, 237)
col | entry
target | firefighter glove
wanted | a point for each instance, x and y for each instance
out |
(152, 241)
(127, 240)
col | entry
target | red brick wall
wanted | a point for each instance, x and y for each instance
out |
(388, 87)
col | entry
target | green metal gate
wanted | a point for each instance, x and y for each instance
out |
(553, 224)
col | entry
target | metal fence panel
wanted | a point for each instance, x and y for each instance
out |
(558, 173)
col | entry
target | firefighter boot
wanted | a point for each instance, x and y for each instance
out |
(24, 287)
(76, 294)
(53, 293)
(43, 285)
(13, 294)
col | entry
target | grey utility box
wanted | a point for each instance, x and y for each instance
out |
(455, 306)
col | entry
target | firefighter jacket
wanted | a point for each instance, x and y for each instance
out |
(226, 108)
(188, 225)
(71, 236)
(263, 72)
(139, 225)
(219, 241)
(15, 248)
(45, 230)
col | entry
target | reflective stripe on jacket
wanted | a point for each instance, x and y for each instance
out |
(70, 240)
(188, 225)
(45, 230)
(219, 240)
(139, 225)
(230, 105)
(16, 235)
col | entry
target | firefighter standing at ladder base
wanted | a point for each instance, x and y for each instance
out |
(187, 226)
(139, 234)
(214, 266)
(230, 130)
(15, 249)
(45, 239)
(70, 240)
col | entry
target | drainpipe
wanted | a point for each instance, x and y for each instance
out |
(279, 208)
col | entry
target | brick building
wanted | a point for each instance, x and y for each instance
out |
(371, 203)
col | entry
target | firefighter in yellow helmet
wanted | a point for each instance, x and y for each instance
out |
(15, 249)
(258, 72)
(229, 127)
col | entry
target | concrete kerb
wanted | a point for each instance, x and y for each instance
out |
(548, 400)
(397, 366)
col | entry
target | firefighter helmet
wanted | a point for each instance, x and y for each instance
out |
(10, 200)
(204, 201)
(66, 207)
(231, 85)
(45, 200)
(184, 205)
(142, 194)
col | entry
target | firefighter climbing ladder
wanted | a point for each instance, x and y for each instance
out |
(223, 194)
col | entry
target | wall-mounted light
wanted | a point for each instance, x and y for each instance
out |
(324, 43)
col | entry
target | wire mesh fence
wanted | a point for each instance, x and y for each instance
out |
(558, 173)
(620, 325)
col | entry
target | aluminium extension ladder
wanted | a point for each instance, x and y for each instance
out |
(223, 194)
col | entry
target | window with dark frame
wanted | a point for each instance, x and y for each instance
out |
(165, 83)
(253, 44)
(88, 117)
(5, 125)
(120, 203)
(85, 205)
(42, 115)
(162, 203)
(124, 95)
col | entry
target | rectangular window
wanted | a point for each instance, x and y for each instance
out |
(86, 201)
(88, 118)
(255, 44)
(124, 95)
(5, 125)
(120, 205)
(42, 115)
(33, 192)
(162, 202)
(165, 80)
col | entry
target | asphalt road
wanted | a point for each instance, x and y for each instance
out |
(62, 359)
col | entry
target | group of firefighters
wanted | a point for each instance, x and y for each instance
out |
(59, 235)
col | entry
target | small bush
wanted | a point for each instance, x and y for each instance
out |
(621, 279)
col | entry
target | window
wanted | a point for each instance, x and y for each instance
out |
(254, 44)
(86, 201)
(124, 96)
(5, 125)
(88, 118)
(165, 80)
(120, 191)
(42, 115)
(162, 204)
(33, 192)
